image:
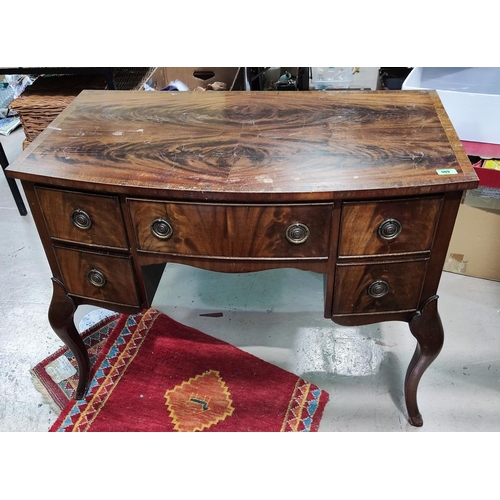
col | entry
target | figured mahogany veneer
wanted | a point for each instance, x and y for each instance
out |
(403, 283)
(359, 232)
(363, 187)
(119, 282)
(105, 224)
(242, 231)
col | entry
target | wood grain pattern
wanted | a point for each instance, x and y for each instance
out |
(427, 328)
(405, 281)
(229, 145)
(106, 228)
(120, 284)
(241, 231)
(360, 222)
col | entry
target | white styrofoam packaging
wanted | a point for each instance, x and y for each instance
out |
(470, 96)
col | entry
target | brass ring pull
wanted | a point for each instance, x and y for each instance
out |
(390, 229)
(81, 219)
(297, 233)
(162, 229)
(378, 289)
(96, 278)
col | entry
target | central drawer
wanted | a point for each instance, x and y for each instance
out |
(226, 230)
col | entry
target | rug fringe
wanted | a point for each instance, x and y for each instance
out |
(46, 399)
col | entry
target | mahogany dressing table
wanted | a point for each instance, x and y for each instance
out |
(363, 187)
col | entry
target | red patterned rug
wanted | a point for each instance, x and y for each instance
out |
(150, 373)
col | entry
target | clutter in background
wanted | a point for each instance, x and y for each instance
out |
(11, 88)
(213, 86)
(177, 85)
(8, 124)
(490, 163)
(193, 79)
(318, 78)
(6, 95)
(271, 79)
(15, 85)
(332, 78)
(393, 78)
(286, 81)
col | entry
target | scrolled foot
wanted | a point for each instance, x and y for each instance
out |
(416, 420)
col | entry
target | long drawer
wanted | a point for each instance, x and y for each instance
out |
(241, 231)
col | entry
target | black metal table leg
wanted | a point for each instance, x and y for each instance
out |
(12, 184)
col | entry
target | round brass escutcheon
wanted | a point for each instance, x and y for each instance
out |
(378, 289)
(81, 219)
(297, 233)
(162, 229)
(390, 229)
(96, 278)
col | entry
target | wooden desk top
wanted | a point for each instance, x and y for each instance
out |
(295, 146)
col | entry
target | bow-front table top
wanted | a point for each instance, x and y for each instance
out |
(299, 146)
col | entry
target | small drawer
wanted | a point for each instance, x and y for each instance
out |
(83, 218)
(371, 288)
(98, 276)
(387, 227)
(210, 230)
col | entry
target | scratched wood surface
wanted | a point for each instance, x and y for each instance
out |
(230, 145)
(232, 230)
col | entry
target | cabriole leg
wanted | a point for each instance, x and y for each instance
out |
(61, 319)
(427, 328)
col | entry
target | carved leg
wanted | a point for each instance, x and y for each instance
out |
(426, 327)
(61, 312)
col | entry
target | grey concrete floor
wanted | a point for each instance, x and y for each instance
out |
(278, 316)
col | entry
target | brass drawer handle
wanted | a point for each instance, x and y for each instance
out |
(81, 219)
(390, 229)
(162, 229)
(378, 289)
(297, 233)
(96, 278)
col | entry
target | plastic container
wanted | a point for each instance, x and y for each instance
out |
(331, 78)
(470, 96)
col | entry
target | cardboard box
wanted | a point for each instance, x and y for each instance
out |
(474, 248)
(194, 77)
(471, 97)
